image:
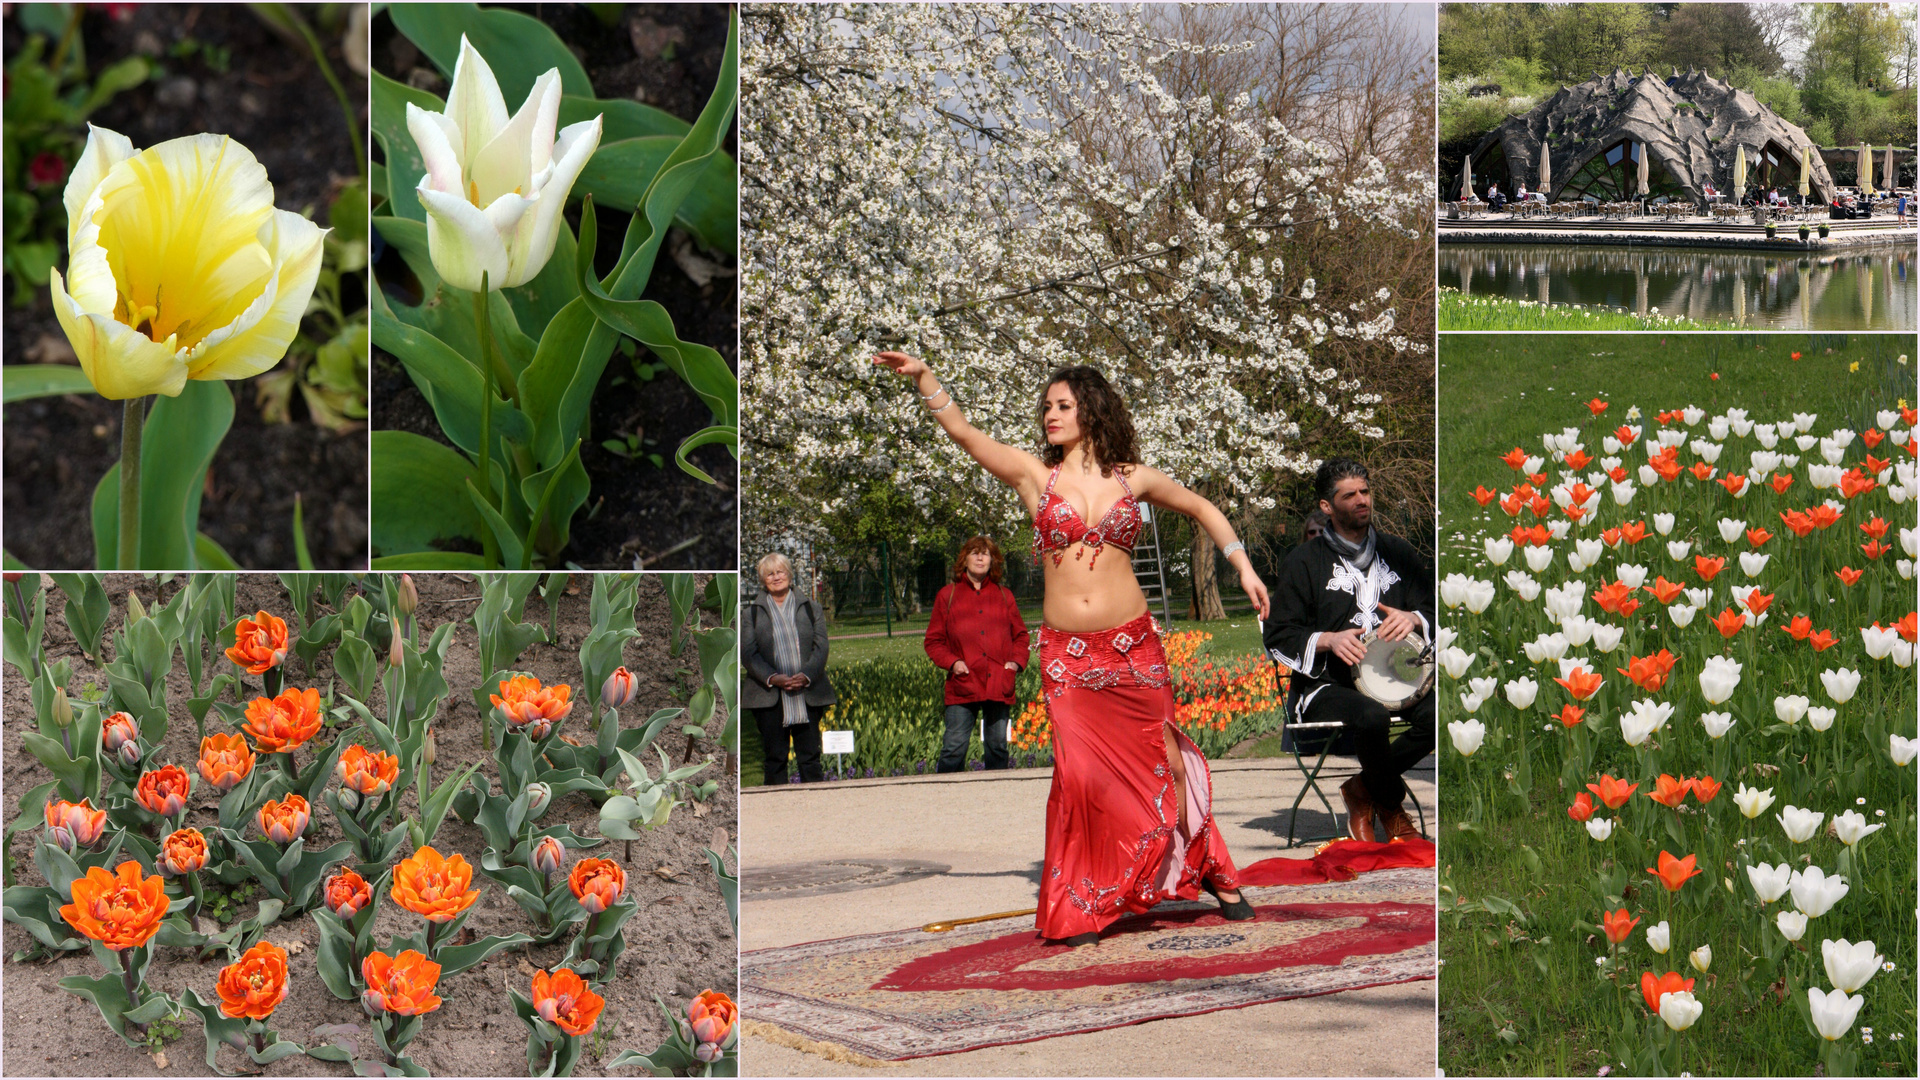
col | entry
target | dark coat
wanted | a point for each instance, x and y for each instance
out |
(1309, 599)
(756, 654)
(983, 627)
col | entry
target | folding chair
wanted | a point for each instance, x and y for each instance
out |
(1312, 774)
(1398, 727)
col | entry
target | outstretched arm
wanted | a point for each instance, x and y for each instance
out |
(1015, 468)
(1162, 490)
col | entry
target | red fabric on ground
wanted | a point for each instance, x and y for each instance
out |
(1341, 860)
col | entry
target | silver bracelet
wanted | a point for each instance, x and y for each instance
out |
(937, 391)
(943, 408)
(1227, 552)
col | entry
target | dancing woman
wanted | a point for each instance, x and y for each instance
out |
(1130, 816)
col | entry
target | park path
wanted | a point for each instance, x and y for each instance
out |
(989, 828)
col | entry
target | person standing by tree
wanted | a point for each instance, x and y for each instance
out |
(784, 651)
(976, 634)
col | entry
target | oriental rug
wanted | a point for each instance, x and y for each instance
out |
(910, 993)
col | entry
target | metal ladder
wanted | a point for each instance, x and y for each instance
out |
(1149, 568)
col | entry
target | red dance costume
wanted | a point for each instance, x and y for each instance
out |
(1114, 841)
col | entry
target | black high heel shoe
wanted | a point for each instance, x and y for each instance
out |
(1089, 938)
(1237, 911)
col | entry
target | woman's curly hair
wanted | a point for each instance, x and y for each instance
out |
(995, 570)
(1104, 421)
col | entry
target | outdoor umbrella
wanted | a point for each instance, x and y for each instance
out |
(1806, 173)
(1739, 172)
(1865, 169)
(1643, 170)
(1466, 178)
(1886, 174)
(1546, 170)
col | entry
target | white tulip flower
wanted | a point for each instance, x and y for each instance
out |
(1804, 421)
(1753, 801)
(1902, 654)
(1523, 585)
(1878, 641)
(1578, 629)
(1636, 728)
(1682, 615)
(1792, 924)
(1840, 684)
(1498, 549)
(1717, 724)
(1752, 562)
(1850, 965)
(1479, 596)
(1533, 464)
(1631, 576)
(1606, 636)
(1453, 589)
(1467, 736)
(1599, 828)
(1470, 703)
(1678, 550)
(1805, 442)
(1690, 416)
(1852, 827)
(1820, 719)
(1545, 647)
(1790, 708)
(1902, 749)
(1623, 491)
(495, 186)
(1718, 678)
(1558, 528)
(1701, 959)
(1521, 692)
(1770, 883)
(1484, 687)
(1815, 893)
(1663, 524)
(1834, 1013)
(1910, 542)
(1659, 938)
(1589, 550)
(1538, 558)
(1455, 660)
(1800, 825)
(1679, 1009)
(1648, 476)
(1730, 529)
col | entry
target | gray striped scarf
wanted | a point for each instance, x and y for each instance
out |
(786, 656)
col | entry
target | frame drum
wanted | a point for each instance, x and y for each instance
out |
(1395, 673)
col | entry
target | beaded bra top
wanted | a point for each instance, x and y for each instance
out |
(1057, 526)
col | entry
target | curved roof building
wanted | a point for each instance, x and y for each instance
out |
(1688, 126)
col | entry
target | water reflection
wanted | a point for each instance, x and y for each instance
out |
(1870, 289)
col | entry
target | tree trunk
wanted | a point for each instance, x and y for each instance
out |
(1206, 583)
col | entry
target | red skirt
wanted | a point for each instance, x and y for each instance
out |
(1114, 841)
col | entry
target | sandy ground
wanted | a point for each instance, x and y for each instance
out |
(990, 829)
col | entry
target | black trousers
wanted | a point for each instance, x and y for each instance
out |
(1382, 760)
(774, 736)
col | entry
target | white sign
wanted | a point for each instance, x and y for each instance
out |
(836, 742)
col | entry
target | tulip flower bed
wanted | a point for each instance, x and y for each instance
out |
(246, 449)
(1459, 311)
(602, 415)
(357, 857)
(894, 708)
(1677, 680)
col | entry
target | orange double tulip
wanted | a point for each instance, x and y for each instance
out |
(564, 1000)
(164, 791)
(81, 822)
(254, 985)
(259, 643)
(531, 707)
(402, 985)
(225, 760)
(347, 893)
(182, 852)
(283, 822)
(368, 772)
(121, 910)
(435, 888)
(283, 724)
(597, 884)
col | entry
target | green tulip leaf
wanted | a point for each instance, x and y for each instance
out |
(450, 382)
(447, 312)
(430, 560)
(513, 551)
(556, 494)
(518, 48)
(24, 382)
(405, 166)
(620, 172)
(557, 388)
(177, 445)
(419, 495)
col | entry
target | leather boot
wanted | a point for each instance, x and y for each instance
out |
(1359, 810)
(1400, 824)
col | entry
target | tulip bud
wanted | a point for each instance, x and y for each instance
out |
(538, 796)
(408, 598)
(130, 753)
(63, 838)
(1701, 958)
(135, 610)
(374, 1002)
(619, 688)
(394, 655)
(427, 749)
(62, 708)
(12, 576)
(349, 799)
(120, 728)
(707, 1052)
(548, 854)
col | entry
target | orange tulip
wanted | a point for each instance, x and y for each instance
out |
(1729, 622)
(347, 893)
(402, 985)
(121, 910)
(1906, 625)
(1515, 458)
(283, 724)
(1669, 792)
(1781, 483)
(1799, 628)
(1853, 483)
(1581, 683)
(1877, 528)
(1847, 574)
(370, 773)
(1614, 793)
(1578, 460)
(254, 985)
(1701, 471)
(1618, 925)
(1758, 602)
(1909, 416)
(1872, 437)
(1733, 482)
(1822, 641)
(182, 852)
(164, 790)
(1822, 516)
(1705, 788)
(1673, 872)
(1540, 505)
(564, 1000)
(1653, 989)
(1615, 599)
(1707, 568)
(1633, 531)
(1625, 435)
(620, 688)
(119, 728)
(80, 821)
(712, 1016)
(1798, 523)
(531, 707)
(597, 884)
(1582, 807)
(1610, 537)
(284, 822)
(1512, 504)
(1875, 466)
(1597, 406)
(1757, 537)
(1482, 496)
(225, 760)
(436, 889)
(1649, 672)
(1874, 548)
(259, 643)
(1664, 590)
(1570, 714)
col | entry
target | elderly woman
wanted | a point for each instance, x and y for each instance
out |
(785, 653)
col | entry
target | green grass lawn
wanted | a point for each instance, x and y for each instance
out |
(1462, 312)
(1522, 890)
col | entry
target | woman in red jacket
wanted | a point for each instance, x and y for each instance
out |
(977, 635)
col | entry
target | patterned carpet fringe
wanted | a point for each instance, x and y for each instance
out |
(766, 1032)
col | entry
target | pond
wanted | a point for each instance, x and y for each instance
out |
(1855, 289)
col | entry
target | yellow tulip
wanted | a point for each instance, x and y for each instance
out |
(179, 267)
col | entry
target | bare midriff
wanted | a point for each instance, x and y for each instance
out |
(1089, 598)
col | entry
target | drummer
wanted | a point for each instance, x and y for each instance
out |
(1332, 591)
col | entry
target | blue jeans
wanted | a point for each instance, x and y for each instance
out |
(953, 750)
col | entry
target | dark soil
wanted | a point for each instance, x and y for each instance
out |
(680, 942)
(273, 99)
(638, 515)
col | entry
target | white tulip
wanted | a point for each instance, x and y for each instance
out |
(1470, 703)
(1701, 959)
(1698, 597)
(1850, 965)
(1533, 464)
(1589, 550)
(1815, 893)
(1599, 828)
(1717, 724)
(1753, 801)
(1545, 647)
(1766, 436)
(1821, 477)
(1718, 678)
(1843, 437)
(1730, 529)
(1558, 528)
(1708, 452)
(1679, 1009)
(1752, 562)
(1770, 883)
(1833, 1013)
(1790, 708)
(1523, 585)
(1444, 637)
(1483, 688)
(1636, 728)
(1902, 654)
(1467, 736)
(1563, 601)
(1522, 692)
(1579, 630)
(1648, 476)
(1840, 684)
(1902, 749)
(1690, 416)
(1682, 615)
(1852, 827)
(1792, 924)
(1905, 568)
(1886, 418)
(1820, 719)
(1805, 442)
(1804, 421)
(1800, 825)
(1631, 576)
(1453, 589)
(1455, 660)
(1716, 427)
(1878, 641)
(1663, 524)
(1659, 938)
(1606, 637)
(1538, 558)
(1764, 461)
(1571, 664)
(1910, 542)
(1610, 444)
(1499, 549)
(495, 187)
(1678, 550)
(1623, 491)
(1479, 596)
